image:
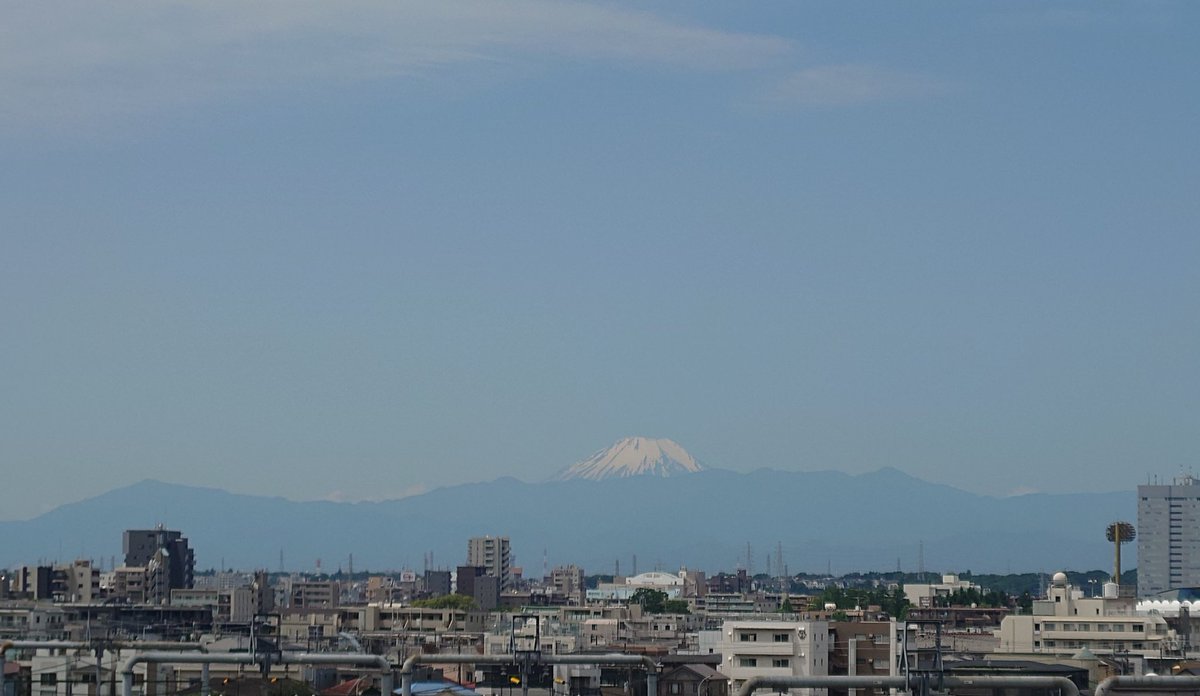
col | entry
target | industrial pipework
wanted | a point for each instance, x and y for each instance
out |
(616, 659)
(7, 645)
(1065, 686)
(386, 679)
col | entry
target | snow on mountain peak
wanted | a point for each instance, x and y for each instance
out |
(633, 456)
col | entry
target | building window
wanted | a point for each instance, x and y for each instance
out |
(675, 687)
(747, 662)
(748, 637)
(781, 662)
(49, 679)
(782, 638)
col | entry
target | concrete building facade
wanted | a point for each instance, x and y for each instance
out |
(770, 649)
(1168, 538)
(165, 549)
(1066, 622)
(493, 554)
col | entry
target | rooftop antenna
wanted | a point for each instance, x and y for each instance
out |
(1119, 533)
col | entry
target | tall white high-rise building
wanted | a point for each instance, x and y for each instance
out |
(494, 555)
(1168, 536)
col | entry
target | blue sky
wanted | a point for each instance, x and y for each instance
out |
(317, 250)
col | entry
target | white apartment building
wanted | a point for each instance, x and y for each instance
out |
(766, 648)
(1066, 622)
(621, 589)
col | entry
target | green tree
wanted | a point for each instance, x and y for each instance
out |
(450, 601)
(652, 601)
(676, 606)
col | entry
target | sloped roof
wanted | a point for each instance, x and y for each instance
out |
(438, 688)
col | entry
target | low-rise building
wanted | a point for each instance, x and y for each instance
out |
(925, 595)
(309, 594)
(770, 648)
(1066, 622)
(864, 648)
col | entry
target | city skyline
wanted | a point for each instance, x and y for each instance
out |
(297, 250)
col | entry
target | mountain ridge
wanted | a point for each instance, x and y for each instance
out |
(703, 520)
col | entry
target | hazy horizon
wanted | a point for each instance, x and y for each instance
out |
(339, 497)
(316, 251)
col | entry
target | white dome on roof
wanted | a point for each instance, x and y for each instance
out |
(654, 578)
(1060, 579)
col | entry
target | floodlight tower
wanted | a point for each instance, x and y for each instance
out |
(1119, 533)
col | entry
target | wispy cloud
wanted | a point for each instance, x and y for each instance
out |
(847, 85)
(79, 60)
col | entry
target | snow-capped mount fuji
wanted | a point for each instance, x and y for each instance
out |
(633, 456)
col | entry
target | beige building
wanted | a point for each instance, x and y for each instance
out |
(568, 582)
(308, 594)
(768, 648)
(923, 595)
(494, 555)
(1066, 622)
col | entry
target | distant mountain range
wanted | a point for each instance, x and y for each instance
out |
(704, 520)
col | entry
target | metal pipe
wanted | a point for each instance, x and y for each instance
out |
(204, 659)
(386, 678)
(82, 644)
(5, 646)
(48, 644)
(179, 658)
(406, 670)
(1148, 683)
(821, 682)
(1064, 685)
(204, 686)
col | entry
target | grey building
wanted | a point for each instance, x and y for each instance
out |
(437, 582)
(164, 548)
(493, 554)
(1168, 529)
(475, 582)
